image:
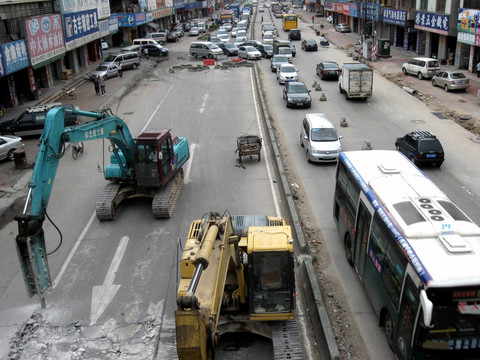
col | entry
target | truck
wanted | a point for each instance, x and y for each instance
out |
(236, 10)
(149, 165)
(356, 81)
(236, 275)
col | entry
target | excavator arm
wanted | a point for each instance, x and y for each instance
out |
(30, 240)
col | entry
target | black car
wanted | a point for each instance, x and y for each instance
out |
(266, 50)
(294, 34)
(328, 70)
(32, 121)
(296, 94)
(172, 37)
(421, 147)
(155, 50)
(228, 49)
(309, 45)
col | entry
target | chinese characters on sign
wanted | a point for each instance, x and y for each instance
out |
(432, 22)
(44, 37)
(13, 57)
(395, 17)
(80, 28)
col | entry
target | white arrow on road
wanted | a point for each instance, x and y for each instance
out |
(103, 295)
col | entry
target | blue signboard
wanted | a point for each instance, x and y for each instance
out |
(395, 17)
(80, 24)
(369, 11)
(431, 21)
(13, 57)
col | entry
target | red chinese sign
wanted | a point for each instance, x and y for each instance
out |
(44, 37)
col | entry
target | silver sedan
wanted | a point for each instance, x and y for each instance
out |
(451, 80)
(8, 144)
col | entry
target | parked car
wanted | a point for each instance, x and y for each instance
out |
(193, 31)
(228, 49)
(104, 44)
(249, 52)
(296, 94)
(105, 71)
(276, 61)
(421, 147)
(155, 50)
(186, 26)
(320, 139)
(294, 34)
(8, 144)
(178, 30)
(129, 60)
(328, 70)
(287, 72)
(422, 67)
(266, 50)
(160, 36)
(32, 121)
(309, 45)
(172, 37)
(343, 28)
(451, 80)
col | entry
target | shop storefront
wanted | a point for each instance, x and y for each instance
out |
(467, 51)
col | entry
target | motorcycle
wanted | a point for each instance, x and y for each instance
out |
(69, 93)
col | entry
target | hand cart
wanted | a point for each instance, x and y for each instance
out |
(248, 145)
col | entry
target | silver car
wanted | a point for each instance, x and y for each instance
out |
(451, 80)
(8, 144)
(343, 28)
(105, 71)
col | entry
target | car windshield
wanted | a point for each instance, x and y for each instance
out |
(297, 89)
(213, 46)
(110, 58)
(288, 69)
(280, 59)
(268, 47)
(229, 45)
(324, 134)
(102, 68)
(249, 48)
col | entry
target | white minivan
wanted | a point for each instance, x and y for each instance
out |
(320, 139)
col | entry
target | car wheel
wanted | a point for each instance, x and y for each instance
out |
(389, 329)
(348, 249)
(308, 157)
(134, 66)
(301, 140)
(10, 155)
(397, 147)
(404, 71)
(420, 76)
(438, 164)
(413, 160)
(434, 83)
(209, 56)
(194, 55)
(446, 88)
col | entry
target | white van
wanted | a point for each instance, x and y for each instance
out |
(145, 42)
(132, 48)
(129, 60)
(205, 49)
(160, 37)
(320, 139)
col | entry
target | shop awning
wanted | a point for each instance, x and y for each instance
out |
(154, 25)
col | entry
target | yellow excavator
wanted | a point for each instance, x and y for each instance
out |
(237, 275)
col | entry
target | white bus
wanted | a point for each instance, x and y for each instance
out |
(416, 253)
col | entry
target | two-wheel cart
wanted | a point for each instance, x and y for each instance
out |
(248, 145)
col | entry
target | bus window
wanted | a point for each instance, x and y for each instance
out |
(406, 320)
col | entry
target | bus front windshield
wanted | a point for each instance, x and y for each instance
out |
(455, 321)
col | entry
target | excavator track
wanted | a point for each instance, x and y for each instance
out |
(105, 207)
(286, 341)
(165, 199)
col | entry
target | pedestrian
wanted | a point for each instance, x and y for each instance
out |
(101, 81)
(145, 52)
(262, 19)
(478, 69)
(313, 19)
(120, 71)
(97, 86)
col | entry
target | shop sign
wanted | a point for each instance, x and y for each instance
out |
(13, 57)
(468, 20)
(432, 22)
(328, 6)
(346, 9)
(179, 4)
(395, 17)
(195, 5)
(338, 8)
(126, 20)
(113, 25)
(370, 11)
(353, 10)
(466, 38)
(80, 28)
(103, 28)
(44, 38)
(162, 13)
(74, 6)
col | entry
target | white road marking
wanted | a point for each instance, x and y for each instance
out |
(104, 294)
(157, 108)
(259, 124)
(202, 108)
(186, 178)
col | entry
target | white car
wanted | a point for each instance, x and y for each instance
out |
(249, 53)
(287, 72)
(239, 40)
(234, 31)
(227, 26)
(8, 144)
(241, 33)
(224, 38)
(104, 44)
(268, 37)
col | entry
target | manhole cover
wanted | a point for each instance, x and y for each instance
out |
(439, 115)
(477, 139)
(418, 122)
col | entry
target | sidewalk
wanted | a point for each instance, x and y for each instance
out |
(457, 103)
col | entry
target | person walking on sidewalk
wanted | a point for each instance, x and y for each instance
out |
(120, 71)
(101, 81)
(478, 69)
(97, 85)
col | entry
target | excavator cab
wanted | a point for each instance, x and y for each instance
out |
(154, 157)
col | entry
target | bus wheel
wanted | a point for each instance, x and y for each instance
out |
(348, 249)
(389, 329)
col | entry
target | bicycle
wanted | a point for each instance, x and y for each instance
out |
(69, 93)
(77, 148)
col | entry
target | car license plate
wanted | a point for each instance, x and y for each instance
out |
(327, 157)
(431, 156)
(299, 103)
